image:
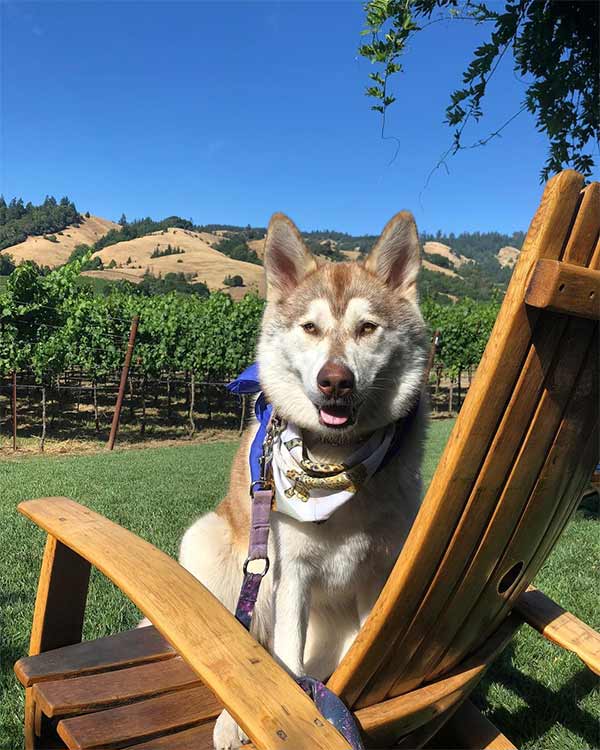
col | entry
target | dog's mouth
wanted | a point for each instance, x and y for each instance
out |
(335, 415)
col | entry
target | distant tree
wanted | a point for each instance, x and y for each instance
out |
(555, 45)
(18, 221)
(237, 248)
(93, 264)
(7, 264)
(79, 251)
(439, 260)
(87, 214)
(236, 280)
(123, 220)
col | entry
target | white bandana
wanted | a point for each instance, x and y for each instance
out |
(310, 491)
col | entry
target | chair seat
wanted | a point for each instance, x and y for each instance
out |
(125, 690)
(132, 690)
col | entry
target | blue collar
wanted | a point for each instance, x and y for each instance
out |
(247, 383)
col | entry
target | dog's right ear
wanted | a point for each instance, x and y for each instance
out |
(287, 259)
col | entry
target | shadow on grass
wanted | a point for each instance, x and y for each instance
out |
(544, 707)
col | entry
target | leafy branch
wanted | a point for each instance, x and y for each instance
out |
(555, 44)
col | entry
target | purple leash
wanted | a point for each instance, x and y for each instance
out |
(257, 550)
(328, 703)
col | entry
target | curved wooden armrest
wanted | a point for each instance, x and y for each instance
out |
(559, 626)
(263, 698)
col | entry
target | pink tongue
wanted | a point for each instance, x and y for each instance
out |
(332, 419)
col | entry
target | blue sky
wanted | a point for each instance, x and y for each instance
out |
(229, 111)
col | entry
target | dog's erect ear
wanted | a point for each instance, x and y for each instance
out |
(396, 257)
(287, 260)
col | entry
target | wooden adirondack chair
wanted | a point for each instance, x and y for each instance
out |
(521, 452)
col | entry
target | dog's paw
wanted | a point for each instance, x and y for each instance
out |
(227, 734)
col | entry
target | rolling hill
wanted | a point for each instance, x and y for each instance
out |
(56, 252)
(130, 251)
(133, 258)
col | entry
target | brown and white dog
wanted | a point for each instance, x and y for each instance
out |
(341, 355)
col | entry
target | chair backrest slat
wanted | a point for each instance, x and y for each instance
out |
(530, 397)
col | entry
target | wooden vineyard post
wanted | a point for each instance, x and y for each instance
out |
(435, 344)
(14, 409)
(124, 374)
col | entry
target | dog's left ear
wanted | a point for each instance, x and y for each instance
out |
(396, 257)
(287, 259)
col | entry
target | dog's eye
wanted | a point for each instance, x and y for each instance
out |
(367, 328)
(310, 328)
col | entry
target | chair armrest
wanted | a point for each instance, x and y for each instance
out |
(559, 626)
(271, 708)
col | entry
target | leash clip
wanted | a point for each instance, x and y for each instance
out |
(264, 484)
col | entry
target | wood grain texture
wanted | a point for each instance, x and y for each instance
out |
(88, 657)
(564, 343)
(464, 623)
(221, 652)
(57, 617)
(138, 722)
(564, 288)
(555, 495)
(79, 695)
(385, 722)
(585, 231)
(60, 600)
(449, 492)
(559, 626)
(196, 738)
(438, 612)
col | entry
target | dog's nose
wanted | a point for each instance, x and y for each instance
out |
(335, 380)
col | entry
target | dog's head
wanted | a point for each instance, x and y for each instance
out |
(342, 348)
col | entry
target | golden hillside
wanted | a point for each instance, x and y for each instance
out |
(47, 253)
(438, 248)
(133, 259)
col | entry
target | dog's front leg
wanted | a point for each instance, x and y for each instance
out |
(291, 608)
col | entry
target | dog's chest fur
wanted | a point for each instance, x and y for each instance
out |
(360, 541)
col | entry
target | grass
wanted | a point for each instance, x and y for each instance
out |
(539, 695)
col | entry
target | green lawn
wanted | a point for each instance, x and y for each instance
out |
(540, 696)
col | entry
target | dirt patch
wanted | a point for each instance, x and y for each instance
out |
(507, 256)
(438, 248)
(29, 447)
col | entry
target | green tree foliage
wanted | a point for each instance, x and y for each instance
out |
(171, 282)
(169, 250)
(480, 247)
(79, 252)
(7, 264)
(439, 260)
(19, 220)
(237, 248)
(236, 280)
(326, 248)
(93, 264)
(465, 328)
(130, 230)
(555, 44)
(49, 323)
